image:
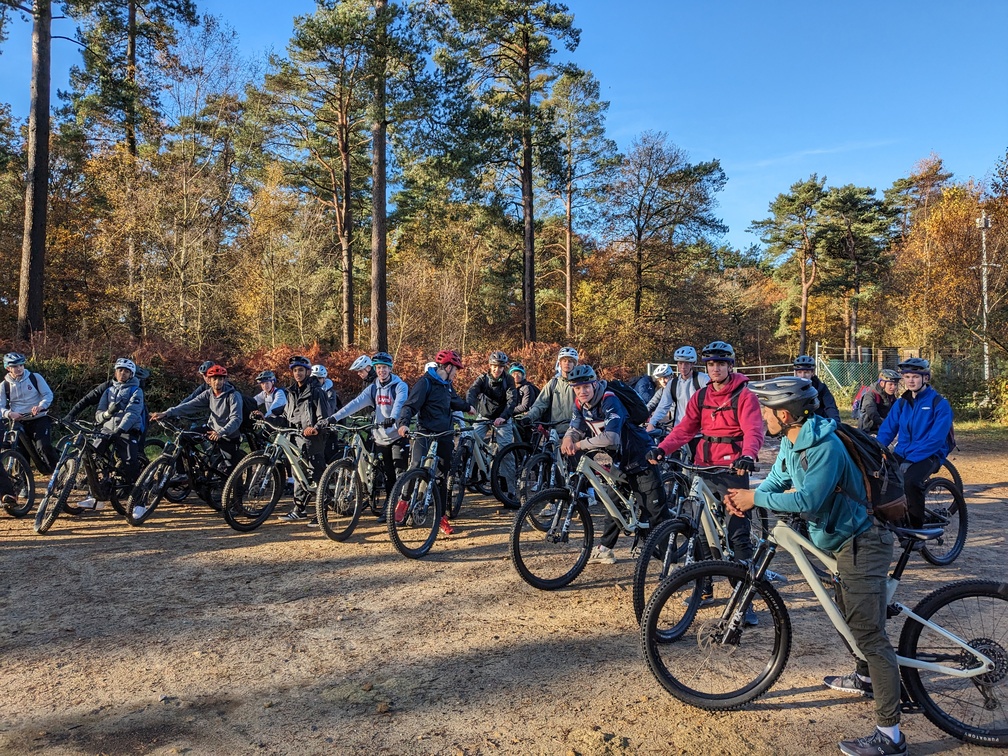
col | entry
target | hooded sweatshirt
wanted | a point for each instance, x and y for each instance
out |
(827, 487)
(432, 400)
(387, 399)
(20, 395)
(129, 412)
(225, 410)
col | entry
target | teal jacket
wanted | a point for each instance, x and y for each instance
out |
(834, 516)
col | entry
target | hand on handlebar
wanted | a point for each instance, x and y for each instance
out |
(655, 455)
(568, 446)
(744, 464)
(403, 431)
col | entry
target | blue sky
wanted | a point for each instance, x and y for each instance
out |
(856, 91)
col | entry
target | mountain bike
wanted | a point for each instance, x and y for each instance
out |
(952, 652)
(538, 466)
(19, 470)
(471, 465)
(186, 464)
(416, 503)
(346, 481)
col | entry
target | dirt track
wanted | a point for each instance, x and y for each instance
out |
(185, 637)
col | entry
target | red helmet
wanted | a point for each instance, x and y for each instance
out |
(217, 370)
(448, 357)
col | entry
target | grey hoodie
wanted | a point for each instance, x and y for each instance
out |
(225, 410)
(21, 395)
(129, 402)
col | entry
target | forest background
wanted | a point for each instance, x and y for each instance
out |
(415, 175)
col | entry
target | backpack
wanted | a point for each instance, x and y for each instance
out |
(735, 441)
(248, 406)
(880, 471)
(6, 388)
(856, 404)
(637, 411)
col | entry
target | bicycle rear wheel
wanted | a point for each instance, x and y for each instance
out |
(548, 551)
(538, 475)
(944, 506)
(19, 470)
(415, 513)
(693, 649)
(339, 501)
(251, 492)
(511, 460)
(663, 552)
(971, 708)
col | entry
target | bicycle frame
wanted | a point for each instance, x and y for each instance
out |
(280, 443)
(603, 481)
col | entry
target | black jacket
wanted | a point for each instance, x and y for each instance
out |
(493, 397)
(875, 405)
(827, 404)
(431, 401)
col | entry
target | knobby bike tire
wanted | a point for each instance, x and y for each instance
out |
(19, 470)
(257, 474)
(457, 475)
(507, 492)
(339, 501)
(54, 501)
(545, 555)
(687, 650)
(944, 505)
(664, 552)
(150, 488)
(970, 709)
(948, 470)
(538, 475)
(415, 529)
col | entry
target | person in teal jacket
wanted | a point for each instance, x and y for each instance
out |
(920, 421)
(816, 477)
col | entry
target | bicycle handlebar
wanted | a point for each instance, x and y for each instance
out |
(701, 469)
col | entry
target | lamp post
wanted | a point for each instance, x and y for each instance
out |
(983, 223)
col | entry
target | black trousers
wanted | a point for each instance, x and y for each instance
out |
(739, 528)
(38, 432)
(915, 474)
(651, 493)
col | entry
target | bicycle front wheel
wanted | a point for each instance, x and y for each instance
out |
(251, 493)
(948, 470)
(698, 644)
(663, 552)
(56, 497)
(19, 470)
(339, 501)
(969, 708)
(944, 506)
(551, 539)
(506, 472)
(415, 513)
(457, 477)
(149, 489)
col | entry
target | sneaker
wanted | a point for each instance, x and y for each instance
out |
(850, 684)
(138, 512)
(88, 503)
(445, 526)
(313, 522)
(602, 555)
(548, 511)
(876, 744)
(295, 515)
(706, 594)
(751, 620)
(400, 510)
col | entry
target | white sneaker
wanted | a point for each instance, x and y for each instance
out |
(602, 555)
(548, 511)
(99, 506)
(88, 503)
(139, 512)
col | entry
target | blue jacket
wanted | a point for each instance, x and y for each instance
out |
(920, 425)
(834, 517)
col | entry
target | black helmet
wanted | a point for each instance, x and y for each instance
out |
(804, 362)
(797, 395)
(299, 361)
(382, 358)
(206, 366)
(266, 375)
(718, 351)
(581, 374)
(889, 375)
(498, 358)
(915, 365)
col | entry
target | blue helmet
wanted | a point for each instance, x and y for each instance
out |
(13, 358)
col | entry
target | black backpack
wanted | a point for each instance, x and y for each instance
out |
(248, 406)
(637, 411)
(880, 471)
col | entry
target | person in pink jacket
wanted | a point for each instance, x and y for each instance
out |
(727, 416)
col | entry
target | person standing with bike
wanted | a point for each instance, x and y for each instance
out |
(432, 401)
(306, 406)
(599, 422)
(556, 400)
(920, 422)
(677, 389)
(877, 401)
(25, 398)
(364, 369)
(815, 476)
(271, 399)
(493, 397)
(804, 367)
(122, 416)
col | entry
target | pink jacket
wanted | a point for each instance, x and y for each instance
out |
(724, 437)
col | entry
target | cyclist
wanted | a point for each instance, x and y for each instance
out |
(877, 401)
(224, 405)
(386, 396)
(815, 476)
(321, 376)
(726, 414)
(804, 367)
(364, 369)
(661, 374)
(599, 421)
(920, 421)
(555, 402)
(527, 391)
(432, 400)
(272, 399)
(678, 390)
(122, 418)
(25, 398)
(493, 397)
(306, 405)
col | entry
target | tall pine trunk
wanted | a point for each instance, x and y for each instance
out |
(379, 238)
(528, 273)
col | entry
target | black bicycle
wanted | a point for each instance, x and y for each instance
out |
(18, 469)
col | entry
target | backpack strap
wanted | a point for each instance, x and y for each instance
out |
(735, 440)
(6, 389)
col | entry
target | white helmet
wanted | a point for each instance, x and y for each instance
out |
(663, 371)
(124, 362)
(430, 366)
(319, 371)
(685, 354)
(361, 363)
(568, 352)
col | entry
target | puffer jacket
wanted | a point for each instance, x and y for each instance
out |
(129, 414)
(724, 436)
(920, 425)
(432, 400)
(828, 487)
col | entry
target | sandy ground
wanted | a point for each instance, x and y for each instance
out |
(184, 637)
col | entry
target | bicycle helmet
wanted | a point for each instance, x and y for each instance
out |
(361, 363)
(498, 358)
(205, 366)
(889, 375)
(684, 354)
(517, 368)
(796, 395)
(319, 371)
(217, 371)
(299, 361)
(382, 358)
(124, 362)
(803, 362)
(915, 365)
(719, 351)
(13, 358)
(568, 352)
(448, 357)
(266, 375)
(582, 374)
(430, 365)
(663, 371)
